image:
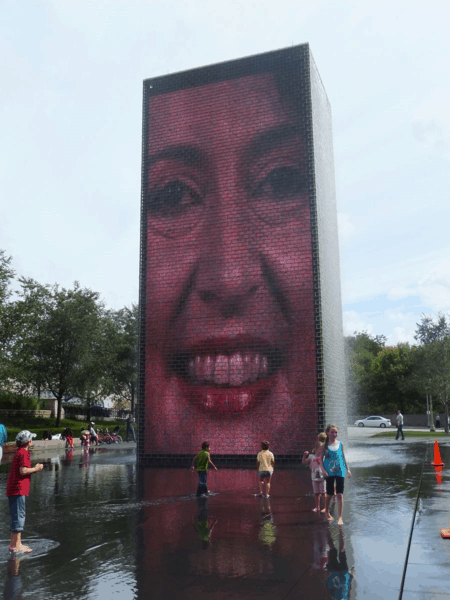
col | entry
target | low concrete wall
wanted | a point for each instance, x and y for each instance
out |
(11, 412)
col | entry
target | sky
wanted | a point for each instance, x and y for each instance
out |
(71, 75)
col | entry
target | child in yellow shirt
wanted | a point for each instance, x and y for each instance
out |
(264, 463)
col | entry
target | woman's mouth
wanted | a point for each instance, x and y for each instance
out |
(227, 380)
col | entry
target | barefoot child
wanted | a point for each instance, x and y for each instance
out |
(69, 438)
(335, 465)
(318, 473)
(264, 463)
(85, 438)
(18, 486)
(203, 459)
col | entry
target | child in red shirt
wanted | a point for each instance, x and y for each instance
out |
(69, 437)
(18, 486)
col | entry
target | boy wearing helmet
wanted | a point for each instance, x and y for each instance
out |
(18, 486)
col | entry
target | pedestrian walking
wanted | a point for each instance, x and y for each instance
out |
(3, 439)
(130, 428)
(265, 462)
(399, 419)
(203, 459)
(438, 422)
(18, 487)
(93, 433)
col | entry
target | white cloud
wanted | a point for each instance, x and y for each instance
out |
(434, 288)
(346, 227)
(403, 333)
(405, 326)
(397, 278)
(401, 291)
(431, 122)
(353, 322)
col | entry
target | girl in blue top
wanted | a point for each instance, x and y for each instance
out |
(335, 465)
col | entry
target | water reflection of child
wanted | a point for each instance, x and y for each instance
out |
(69, 457)
(13, 583)
(268, 530)
(204, 527)
(340, 578)
(318, 473)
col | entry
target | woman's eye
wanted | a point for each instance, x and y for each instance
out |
(281, 184)
(173, 199)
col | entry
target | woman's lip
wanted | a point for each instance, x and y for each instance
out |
(228, 345)
(227, 375)
(227, 400)
(234, 368)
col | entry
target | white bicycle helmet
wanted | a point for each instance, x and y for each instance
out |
(24, 436)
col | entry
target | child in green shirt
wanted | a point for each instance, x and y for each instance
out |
(203, 459)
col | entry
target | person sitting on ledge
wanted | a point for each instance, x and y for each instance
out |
(46, 435)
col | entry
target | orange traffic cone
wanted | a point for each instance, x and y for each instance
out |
(437, 456)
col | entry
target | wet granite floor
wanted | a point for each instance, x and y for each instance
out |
(102, 528)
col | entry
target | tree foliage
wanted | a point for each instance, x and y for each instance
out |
(65, 341)
(123, 345)
(7, 274)
(381, 375)
(433, 370)
(56, 341)
(361, 348)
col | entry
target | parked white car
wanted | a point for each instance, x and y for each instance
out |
(373, 422)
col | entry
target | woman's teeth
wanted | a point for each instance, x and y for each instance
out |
(228, 369)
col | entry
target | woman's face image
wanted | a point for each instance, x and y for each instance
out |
(230, 342)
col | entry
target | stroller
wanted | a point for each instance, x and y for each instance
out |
(115, 434)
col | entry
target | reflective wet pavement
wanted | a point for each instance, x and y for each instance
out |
(102, 528)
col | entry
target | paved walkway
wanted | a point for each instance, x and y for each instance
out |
(428, 569)
(423, 555)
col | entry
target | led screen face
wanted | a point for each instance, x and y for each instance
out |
(229, 298)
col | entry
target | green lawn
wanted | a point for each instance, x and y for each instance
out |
(429, 434)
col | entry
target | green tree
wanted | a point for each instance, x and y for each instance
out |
(123, 352)
(7, 274)
(53, 344)
(391, 374)
(361, 348)
(434, 368)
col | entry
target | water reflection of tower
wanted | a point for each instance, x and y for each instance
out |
(340, 576)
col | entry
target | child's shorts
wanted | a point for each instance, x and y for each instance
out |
(265, 474)
(339, 485)
(319, 486)
(17, 510)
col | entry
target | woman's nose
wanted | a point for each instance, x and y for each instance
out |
(230, 269)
